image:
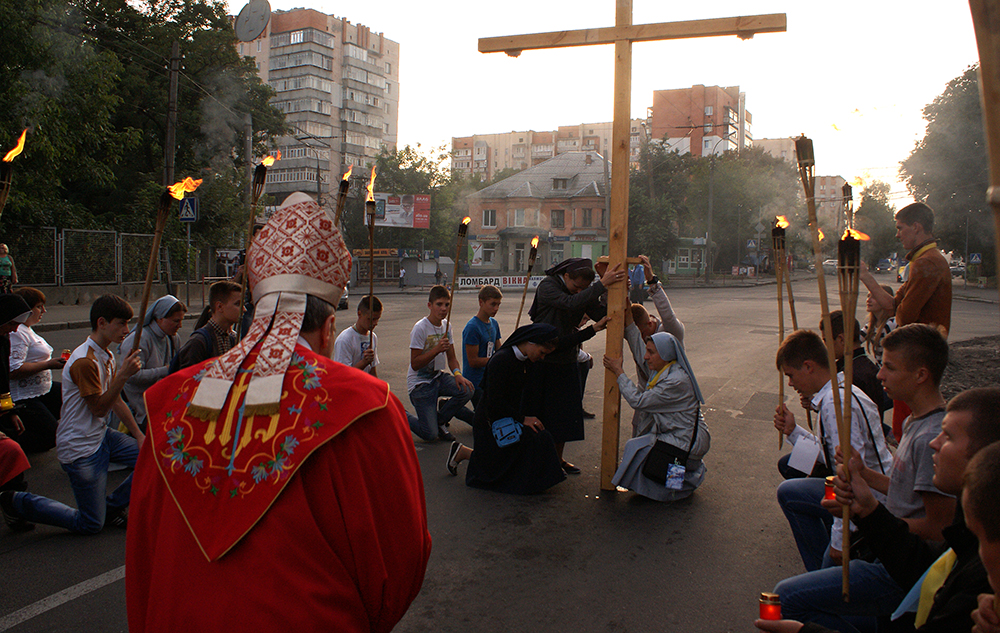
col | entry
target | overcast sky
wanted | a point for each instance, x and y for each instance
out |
(854, 75)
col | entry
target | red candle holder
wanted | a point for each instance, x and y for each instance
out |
(770, 606)
(828, 491)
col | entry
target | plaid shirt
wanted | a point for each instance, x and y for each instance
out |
(222, 340)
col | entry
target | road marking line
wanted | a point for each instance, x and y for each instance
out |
(60, 598)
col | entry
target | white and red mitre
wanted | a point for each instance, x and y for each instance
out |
(299, 252)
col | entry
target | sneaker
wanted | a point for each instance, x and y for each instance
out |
(570, 469)
(445, 434)
(14, 522)
(587, 415)
(117, 517)
(452, 466)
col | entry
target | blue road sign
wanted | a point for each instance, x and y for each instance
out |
(751, 245)
(975, 258)
(189, 209)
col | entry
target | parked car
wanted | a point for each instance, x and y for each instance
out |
(342, 305)
(958, 270)
(900, 273)
(830, 266)
(883, 266)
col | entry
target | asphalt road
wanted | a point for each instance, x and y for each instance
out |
(572, 559)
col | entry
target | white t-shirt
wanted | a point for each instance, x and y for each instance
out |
(424, 336)
(350, 347)
(28, 347)
(88, 372)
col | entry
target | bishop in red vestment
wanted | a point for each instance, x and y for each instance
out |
(277, 490)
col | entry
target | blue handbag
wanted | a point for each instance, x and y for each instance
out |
(506, 431)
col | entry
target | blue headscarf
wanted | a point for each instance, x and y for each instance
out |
(669, 348)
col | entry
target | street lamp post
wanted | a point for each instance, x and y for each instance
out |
(708, 233)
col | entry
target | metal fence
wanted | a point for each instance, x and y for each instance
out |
(89, 257)
(47, 256)
(34, 250)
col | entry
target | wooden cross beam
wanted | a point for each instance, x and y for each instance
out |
(622, 35)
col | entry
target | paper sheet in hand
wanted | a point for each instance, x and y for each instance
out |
(804, 454)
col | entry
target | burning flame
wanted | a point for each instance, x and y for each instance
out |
(177, 190)
(534, 242)
(347, 176)
(820, 234)
(371, 187)
(468, 219)
(858, 235)
(781, 222)
(17, 150)
(269, 160)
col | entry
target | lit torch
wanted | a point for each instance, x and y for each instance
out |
(807, 173)
(527, 280)
(345, 184)
(463, 228)
(778, 248)
(7, 169)
(259, 179)
(171, 193)
(370, 213)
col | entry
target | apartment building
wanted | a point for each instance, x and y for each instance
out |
(701, 120)
(338, 85)
(484, 155)
(562, 200)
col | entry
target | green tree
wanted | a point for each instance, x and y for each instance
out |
(658, 191)
(89, 78)
(874, 217)
(949, 170)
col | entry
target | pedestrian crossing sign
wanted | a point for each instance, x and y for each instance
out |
(189, 209)
(975, 258)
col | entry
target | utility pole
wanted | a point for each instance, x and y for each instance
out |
(169, 146)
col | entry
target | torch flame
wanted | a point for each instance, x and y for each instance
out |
(781, 222)
(269, 160)
(347, 176)
(17, 150)
(534, 242)
(371, 187)
(820, 234)
(468, 219)
(177, 190)
(858, 235)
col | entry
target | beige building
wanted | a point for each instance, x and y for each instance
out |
(484, 155)
(338, 85)
(562, 200)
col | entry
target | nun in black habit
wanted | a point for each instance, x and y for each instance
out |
(563, 297)
(530, 464)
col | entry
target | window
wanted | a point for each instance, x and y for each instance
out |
(388, 68)
(558, 219)
(518, 217)
(709, 110)
(489, 253)
(557, 253)
(604, 218)
(518, 256)
(708, 144)
(559, 183)
(296, 37)
(708, 128)
(258, 45)
(587, 219)
(489, 216)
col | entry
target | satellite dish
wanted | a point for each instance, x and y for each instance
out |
(252, 20)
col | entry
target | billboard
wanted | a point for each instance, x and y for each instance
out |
(407, 210)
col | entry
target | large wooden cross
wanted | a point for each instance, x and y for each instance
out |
(622, 35)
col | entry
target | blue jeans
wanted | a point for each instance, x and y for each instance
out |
(432, 418)
(89, 478)
(816, 597)
(810, 522)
